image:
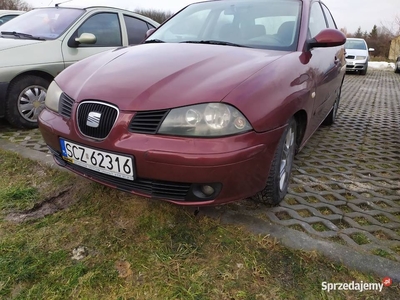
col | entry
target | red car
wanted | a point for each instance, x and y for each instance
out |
(211, 108)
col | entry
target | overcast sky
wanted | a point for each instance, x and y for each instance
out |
(347, 13)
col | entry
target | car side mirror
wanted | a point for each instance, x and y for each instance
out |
(86, 38)
(371, 49)
(327, 38)
(149, 32)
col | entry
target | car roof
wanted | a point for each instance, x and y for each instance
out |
(11, 11)
(359, 39)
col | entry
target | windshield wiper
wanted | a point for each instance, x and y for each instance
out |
(214, 42)
(23, 35)
(154, 41)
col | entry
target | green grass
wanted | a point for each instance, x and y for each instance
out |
(143, 249)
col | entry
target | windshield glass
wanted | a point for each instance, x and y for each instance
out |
(355, 44)
(47, 23)
(268, 24)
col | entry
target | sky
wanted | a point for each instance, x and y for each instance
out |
(349, 14)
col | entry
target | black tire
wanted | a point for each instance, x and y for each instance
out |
(397, 70)
(26, 100)
(364, 72)
(278, 180)
(331, 117)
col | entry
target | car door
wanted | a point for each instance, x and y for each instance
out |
(105, 26)
(324, 67)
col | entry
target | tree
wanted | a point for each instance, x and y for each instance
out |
(374, 33)
(14, 5)
(358, 33)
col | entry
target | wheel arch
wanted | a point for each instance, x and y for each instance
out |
(42, 74)
(301, 120)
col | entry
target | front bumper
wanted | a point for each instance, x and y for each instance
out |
(175, 168)
(356, 65)
(3, 95)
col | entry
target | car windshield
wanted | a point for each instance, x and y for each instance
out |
(268, 24)
(45, 23)
(355, 44)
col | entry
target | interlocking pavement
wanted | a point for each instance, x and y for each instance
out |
(345, 186)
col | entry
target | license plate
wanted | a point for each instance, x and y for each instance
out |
(101, 161)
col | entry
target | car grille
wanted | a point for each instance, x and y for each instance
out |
(147, 121)
(153, 188)
(102, 125)
(350, 57)
(65, 105)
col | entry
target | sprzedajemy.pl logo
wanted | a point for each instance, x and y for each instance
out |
(356, 286)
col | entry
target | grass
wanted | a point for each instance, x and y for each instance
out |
(137, 248)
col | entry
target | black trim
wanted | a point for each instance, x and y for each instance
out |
(3, 94)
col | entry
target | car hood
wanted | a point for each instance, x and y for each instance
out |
(9, 43)
(26, 53)
(160, 76)
(356, 52)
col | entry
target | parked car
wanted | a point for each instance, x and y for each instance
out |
(210, 109)
(397, 65)
(39, 44)
(357, 55)
(7, 15)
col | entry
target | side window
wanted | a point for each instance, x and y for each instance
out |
(136, 29)
(106, 28)
(4, 19)
(317, 20)
(329, 18)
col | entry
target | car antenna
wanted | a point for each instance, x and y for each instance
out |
(57, 4)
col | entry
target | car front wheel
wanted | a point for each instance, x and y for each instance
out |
(26, 100)
(281, 168)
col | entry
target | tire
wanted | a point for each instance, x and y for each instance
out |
(364, 72)
(331, 117)
(281, 167)
(397, 70)
(26, 100)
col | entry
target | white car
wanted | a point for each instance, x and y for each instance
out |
(357, 55)
(38, 45)
(7, 15)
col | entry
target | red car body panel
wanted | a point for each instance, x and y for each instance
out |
(268, 87)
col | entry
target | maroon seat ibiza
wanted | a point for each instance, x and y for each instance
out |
(211, 108)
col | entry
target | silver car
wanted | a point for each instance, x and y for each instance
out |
(38, 45)
(357, 55)
(7, 15)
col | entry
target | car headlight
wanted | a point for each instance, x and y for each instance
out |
(53, 96)
(205, 120)
(360, 57)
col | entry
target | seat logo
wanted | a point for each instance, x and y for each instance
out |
(93, 119)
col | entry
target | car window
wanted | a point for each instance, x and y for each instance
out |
(329, 18)
(47, 23)
(355, 44)
(6, 18)
(106, 28)
(317, 20)
(136, 29)
(272, 24)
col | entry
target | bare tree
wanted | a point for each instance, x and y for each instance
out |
(14, 5)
